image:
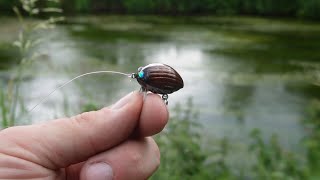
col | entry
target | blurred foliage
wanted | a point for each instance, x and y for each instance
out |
(309, 9)
(6, 5)
(271, 7)
(12, 106)
(183, 155)
(89, 107)
(291, 8)
(273, 162)
(7, 51)
(312, 142)
(72, 6)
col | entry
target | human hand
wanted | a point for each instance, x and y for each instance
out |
(111, 143)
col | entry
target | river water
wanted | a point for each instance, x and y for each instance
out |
(241, 73)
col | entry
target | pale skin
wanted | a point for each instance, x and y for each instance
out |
(76, 147)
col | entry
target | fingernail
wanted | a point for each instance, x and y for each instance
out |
(123, 101)
(99, 171)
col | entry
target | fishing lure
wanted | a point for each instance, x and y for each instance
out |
(157, 78)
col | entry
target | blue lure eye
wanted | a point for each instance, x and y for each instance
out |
(141, 74)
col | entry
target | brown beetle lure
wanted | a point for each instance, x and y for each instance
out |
(159, 78)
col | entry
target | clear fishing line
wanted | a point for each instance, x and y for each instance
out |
(77, 77)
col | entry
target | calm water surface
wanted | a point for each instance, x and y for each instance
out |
(240, 73)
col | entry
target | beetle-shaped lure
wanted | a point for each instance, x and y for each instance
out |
(158, 78)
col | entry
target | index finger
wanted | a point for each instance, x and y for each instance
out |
(154, 116)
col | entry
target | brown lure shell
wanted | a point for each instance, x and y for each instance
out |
(159, 79)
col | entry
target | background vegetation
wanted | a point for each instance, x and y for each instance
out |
(184, 157)
(290, 8)
(12, 107)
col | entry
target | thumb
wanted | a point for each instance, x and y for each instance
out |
(63, 142)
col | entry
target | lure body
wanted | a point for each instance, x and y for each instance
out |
(159, 79)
